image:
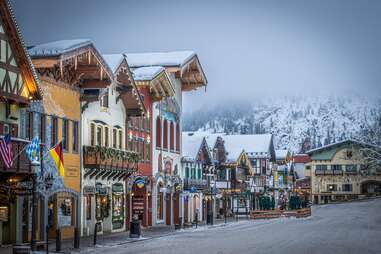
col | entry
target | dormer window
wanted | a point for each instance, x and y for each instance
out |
(349, 154)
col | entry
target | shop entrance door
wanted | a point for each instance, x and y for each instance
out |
(168, 209)
(176, 209)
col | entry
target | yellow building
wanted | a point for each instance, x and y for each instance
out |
(339, 171)
(65, 67)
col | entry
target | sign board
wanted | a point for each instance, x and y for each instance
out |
(71, 172)
(4, 213)
(88, 190)
(117, 187)
(138, 205)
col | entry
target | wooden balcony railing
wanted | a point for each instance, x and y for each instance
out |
(21, 164)
(109, 158)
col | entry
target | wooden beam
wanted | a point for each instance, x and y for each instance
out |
(95, 83)
(45, 62)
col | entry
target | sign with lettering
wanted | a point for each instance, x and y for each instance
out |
(138, 205)
(88, 190)
(71, 172)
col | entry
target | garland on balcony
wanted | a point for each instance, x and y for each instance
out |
(112, 153)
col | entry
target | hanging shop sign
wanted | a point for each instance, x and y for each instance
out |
(140, 182)
(102, 190)
(88, 190)
(117, 188)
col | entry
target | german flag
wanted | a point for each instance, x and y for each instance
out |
(57, 154)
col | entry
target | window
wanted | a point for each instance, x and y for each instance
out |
(92, 134)
(106, 136)
(158, 132)
(129, 123)
(104, 99)
(336, 167)
(199, 173)
(99, 135)
(130, 144)
(351, 168)
(148, 151)
(321, 167)
(29, 129)
(120, 137)
(331, 187)
(75, 136)
(165, 134)
(177, 137)
(308, 167)
(186, 172)
(54, 130)
(65, 134)
(349, 154)
(141, 120)
(114, 137)
(42, 127)
(347, 187)
(171, 136)
(193, 173)
(147, 123)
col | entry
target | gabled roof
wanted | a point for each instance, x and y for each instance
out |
(301, 158)
(256, 145)
(18, 46)
(56, 48)
(166, 59)
(113, 60)
(192, 144)
(340, 143)
(147, 73)
(185, 65)
(281, 154)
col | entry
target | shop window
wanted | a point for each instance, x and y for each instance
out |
(66, 211)
(54, 130)
(65, 135)
(347, 187)
(177, 137)
(88, 207)
(171, 136)
(117, 206)
(165, 134)
(75, 136)
(106, 136)
(92, 134)
(158, 132)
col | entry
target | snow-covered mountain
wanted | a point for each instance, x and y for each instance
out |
(298, 123)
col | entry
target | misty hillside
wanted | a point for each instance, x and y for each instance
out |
(298, 123)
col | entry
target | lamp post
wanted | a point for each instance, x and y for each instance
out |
(34, 165)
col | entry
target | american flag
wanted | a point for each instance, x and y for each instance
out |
(6, 150)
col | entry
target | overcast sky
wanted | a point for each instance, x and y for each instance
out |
(248, 49)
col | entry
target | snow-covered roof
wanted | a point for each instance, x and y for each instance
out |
(113, 60)
(166, 59)
(190, 145)
(147, 73)
(347, 141)
(57, 48)
(256, 145)
(281, 154)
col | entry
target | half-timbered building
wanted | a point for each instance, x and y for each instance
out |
(19, 86)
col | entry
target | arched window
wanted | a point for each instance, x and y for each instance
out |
(177, 137)
(158, 132)
(165, 134)
(171, 136)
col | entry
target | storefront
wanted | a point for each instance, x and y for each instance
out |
(117, 206)
(140, 199)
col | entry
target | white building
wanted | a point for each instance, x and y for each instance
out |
(185, 72)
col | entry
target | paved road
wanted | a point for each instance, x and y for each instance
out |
(341, 228)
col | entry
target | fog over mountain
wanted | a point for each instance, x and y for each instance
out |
(297, 122)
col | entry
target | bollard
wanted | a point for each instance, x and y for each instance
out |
(95, 233)
(47, 239)
(76, 238)
(58, 240)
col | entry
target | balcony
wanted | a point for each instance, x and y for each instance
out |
(107, 162)
(21, 164)
(199, 184)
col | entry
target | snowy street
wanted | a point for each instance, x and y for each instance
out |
(331, 229)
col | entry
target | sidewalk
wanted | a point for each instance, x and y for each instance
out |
(114, 239)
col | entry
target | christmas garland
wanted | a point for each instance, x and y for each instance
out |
(112, 153)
